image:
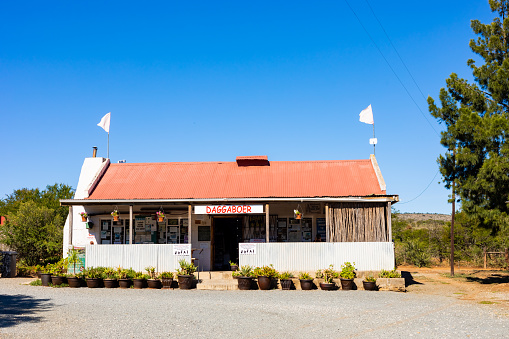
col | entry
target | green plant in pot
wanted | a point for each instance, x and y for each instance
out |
(286, 280)
(139, 280)
(153, 281)
(186, 274)
(57, 273)
(110, 278)
(234, 266)
(94, 277)
(166, 279)
(244, 277)
(306, 281)
(347, 275)
(369, 283)
(266, 276)
(328, 275)
(125, 277)
(46, 275)
(389, 274)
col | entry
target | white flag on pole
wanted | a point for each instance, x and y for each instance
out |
(105, 122)
(366, 116)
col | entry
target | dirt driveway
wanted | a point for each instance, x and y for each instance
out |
(487, 287)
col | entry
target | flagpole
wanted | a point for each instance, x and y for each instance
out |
(373, 137)
(109, 144)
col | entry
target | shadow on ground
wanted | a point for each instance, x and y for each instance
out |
(492, 279)
(16, 309)
(409, 279)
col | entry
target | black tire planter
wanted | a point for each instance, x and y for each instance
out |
(45, 279)
(94, 282)
(139, 283)
(57, 280)
(124, 283)
(306, 284)
(110, 283)
(185, 282)
(327, 286)
(244, 283)
(264, 283)
(369, 285)
(167, 282)
(74, 282)
(346, 284)
(154, 283)
(286, 284)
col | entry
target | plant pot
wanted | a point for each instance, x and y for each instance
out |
(124, 283)
(244, 283)
(154, 283)
(167, 282)
(369, 285)
(234, 267)
(346, 284)
(57, 280)
(45, 279)
(38, 274)
(298, 216)
(286, 284)
(306, 284)
(84, 219)
(264, 283)
(160, 219)
(93, 282)
(115, 218)
(327, 286)
(185, 281)
(110, 283)
(74, 282)
(139, 283)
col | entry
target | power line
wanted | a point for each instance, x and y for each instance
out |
(406, 202)
(392, 69)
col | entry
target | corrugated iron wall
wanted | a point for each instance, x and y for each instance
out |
(368, 256)
(136, 257)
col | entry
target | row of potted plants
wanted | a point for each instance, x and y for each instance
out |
(94, 277)
(267, 277)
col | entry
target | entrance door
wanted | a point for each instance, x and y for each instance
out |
(227, 233)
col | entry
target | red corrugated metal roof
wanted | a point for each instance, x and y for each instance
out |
(209, 180)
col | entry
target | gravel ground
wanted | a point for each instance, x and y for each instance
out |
(35, 312)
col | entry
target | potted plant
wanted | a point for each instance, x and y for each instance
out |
(93, 277)
(154, 281)
(167, 279)
(139, 280)
(244, 277)
(328, 275)
(57, 275)
(347, 275)
(286, 280)
(233, 266)
(46, 275)
(160, 216)
(266, 275)
(298, 214)
(110, 277)
(369, 283)
(306, 281)
(185, 274)
(114, 214)
(84, 216)
(125, 277)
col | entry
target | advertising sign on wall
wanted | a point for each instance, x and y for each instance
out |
(228, 209)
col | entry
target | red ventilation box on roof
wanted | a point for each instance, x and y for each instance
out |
(255, 160)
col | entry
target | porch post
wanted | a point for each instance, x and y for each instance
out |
(189, 212)
(267, 223)
(130, 224)
(327, 225)
(389, 221)
(70, 227)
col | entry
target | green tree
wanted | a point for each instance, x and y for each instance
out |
(35, 232)
(476, 117)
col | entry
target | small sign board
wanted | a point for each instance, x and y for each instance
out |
(373, 141)
(228, 209)
(181, 249)
(247, 249)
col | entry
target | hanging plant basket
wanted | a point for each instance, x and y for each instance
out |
(160, 215)
(114, 214)
(84, 216)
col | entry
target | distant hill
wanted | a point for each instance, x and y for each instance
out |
(417, 217)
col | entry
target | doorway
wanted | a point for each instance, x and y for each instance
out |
(227, 233)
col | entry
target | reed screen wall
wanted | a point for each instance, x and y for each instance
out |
(358, 222)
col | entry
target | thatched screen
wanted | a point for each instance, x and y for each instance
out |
(351, 222)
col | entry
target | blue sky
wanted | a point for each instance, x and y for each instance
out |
(209, 81)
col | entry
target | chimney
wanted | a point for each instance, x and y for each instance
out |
(94, 153)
